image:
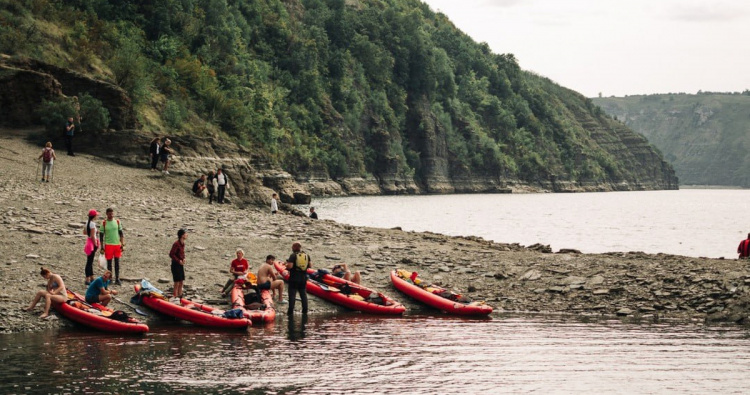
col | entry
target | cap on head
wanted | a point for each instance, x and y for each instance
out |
(181, 232)
(93, 213)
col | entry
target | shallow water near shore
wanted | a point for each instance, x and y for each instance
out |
(364, 354)
(692, 222)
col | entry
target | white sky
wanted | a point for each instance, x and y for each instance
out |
(617, 47)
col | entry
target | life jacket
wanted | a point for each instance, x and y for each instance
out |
(302, 261)
(47, 155)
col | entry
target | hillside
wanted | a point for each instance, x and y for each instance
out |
(330, 97)
(706, 136)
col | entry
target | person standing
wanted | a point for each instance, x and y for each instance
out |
(313, 214)
(92, 245)
(54, 292)
(177, 253)
(112, 239)
(164, 153)
(297, 264)
(211, 186)
(274, 204)
(744, 248)
(70, 129)
(221, 185)
(48, 159)
(153, 152)
(99, 292)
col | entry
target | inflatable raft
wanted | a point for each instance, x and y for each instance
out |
(346, 293)
(187, 310)
(257, 316)
(435, 296)
(97, 316)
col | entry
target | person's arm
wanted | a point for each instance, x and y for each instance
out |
(122, 236)
(60, 290)
(101, 234)
(173, 253)
(53, 155)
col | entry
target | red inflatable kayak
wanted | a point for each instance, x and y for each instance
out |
(435, 296)
(97, 316)
(237, 297)
(346, 293)
(187, 310)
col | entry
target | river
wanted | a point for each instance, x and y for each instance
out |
(419, 354)
(692, 222)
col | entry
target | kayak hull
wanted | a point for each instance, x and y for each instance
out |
(445, 305)
(257, 317)
(98, 322)
(196, 313)
(328, 290)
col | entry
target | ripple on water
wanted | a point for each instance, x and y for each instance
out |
(364, 354)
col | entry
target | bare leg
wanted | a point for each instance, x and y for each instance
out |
(279, 286)
(105, 299)
(357, 278)
(37, 298)
(49, 299)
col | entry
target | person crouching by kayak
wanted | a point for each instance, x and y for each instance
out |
(53, 293)
(177, 253)
(297, 264)
(744, 248)
(99, 292)
(238, 268)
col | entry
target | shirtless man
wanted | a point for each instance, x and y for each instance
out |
(54, 293)
(267, 279)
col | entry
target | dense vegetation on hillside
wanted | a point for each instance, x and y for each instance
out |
(339, 87)
(705, 136)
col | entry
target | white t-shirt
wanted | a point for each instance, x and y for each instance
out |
(274, 205)
(92, 225)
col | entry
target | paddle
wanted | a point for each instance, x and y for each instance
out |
(137, 310)
(324, 287)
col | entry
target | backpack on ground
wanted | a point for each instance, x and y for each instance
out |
(47, 155)
(302, 261)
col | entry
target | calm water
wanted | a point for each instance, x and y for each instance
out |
(692, 222)
(351, 353)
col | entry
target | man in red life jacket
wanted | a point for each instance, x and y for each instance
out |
(744, 248)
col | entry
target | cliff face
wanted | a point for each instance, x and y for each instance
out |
(704, 136)
(337, 97)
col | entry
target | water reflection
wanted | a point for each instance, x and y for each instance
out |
(370, 354)
(294, 333)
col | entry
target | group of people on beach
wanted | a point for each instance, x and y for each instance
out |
(213, 183)
(109, 241)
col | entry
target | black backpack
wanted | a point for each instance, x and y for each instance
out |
(120, 315)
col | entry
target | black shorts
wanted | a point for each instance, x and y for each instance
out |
(178, 272)
(164, 158)
(265, 285)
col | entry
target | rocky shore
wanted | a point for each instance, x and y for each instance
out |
(42, 226)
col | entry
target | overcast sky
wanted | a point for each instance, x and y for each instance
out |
(617, 47)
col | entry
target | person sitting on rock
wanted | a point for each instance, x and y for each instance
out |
(342, 271)
(54, 292)
(199, 186)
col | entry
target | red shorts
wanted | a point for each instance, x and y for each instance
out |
(112, 251)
